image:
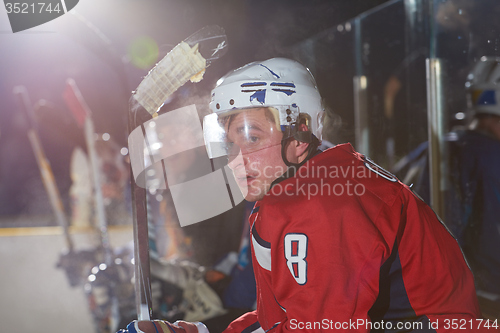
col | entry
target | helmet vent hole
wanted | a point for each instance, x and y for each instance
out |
(217, 106)
(231, 102)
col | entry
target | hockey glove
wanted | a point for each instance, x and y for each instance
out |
(161, 326)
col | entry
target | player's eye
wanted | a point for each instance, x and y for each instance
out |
(253, 139)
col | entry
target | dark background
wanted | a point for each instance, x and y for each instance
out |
(42, 58)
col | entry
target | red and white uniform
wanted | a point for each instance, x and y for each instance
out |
(344, 245)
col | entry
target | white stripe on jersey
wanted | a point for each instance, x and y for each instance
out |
(262, 254)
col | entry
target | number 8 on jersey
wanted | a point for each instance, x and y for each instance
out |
(295, 254)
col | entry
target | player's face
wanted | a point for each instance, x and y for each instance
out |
(255, 151)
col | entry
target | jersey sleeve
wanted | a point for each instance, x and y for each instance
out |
(247, 323)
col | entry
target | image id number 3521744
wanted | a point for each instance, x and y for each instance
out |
(32, 8)
(463, 324)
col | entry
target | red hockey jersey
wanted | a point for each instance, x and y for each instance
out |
(343, 245)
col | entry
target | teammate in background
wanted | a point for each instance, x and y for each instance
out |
(473, 203)
(337, 242)
(114, 184)
(476, 167)
(114, 181)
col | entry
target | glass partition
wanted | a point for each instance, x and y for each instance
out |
(371, 72)
(330, 57)
(377, 73)
(400, 78)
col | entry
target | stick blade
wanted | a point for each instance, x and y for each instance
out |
(212, 42)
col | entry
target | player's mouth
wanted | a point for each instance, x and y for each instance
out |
(245, 180)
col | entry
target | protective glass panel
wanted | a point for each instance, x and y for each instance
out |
(465, 43)
(371, 73)
(168, 153)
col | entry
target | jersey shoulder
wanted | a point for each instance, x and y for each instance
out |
(338, 184)
(342, 168)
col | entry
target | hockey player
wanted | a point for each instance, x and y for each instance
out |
(338, 243)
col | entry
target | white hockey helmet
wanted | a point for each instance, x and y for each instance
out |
(484, 86)
(281, 83)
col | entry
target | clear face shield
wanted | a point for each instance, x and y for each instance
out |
(241, 132)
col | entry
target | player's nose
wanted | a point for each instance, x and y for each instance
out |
(238, 160)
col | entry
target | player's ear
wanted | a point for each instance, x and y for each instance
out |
(301, 148)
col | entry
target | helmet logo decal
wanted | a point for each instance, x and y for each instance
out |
(285, 85)
(253, 84)
(286, 91)
(275, 75)
(260, 95)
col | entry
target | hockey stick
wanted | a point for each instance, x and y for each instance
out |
(187, 61)
(74, 100)
(43, 164)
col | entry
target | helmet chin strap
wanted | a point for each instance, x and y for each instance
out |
(306, 137)
(292, 167)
